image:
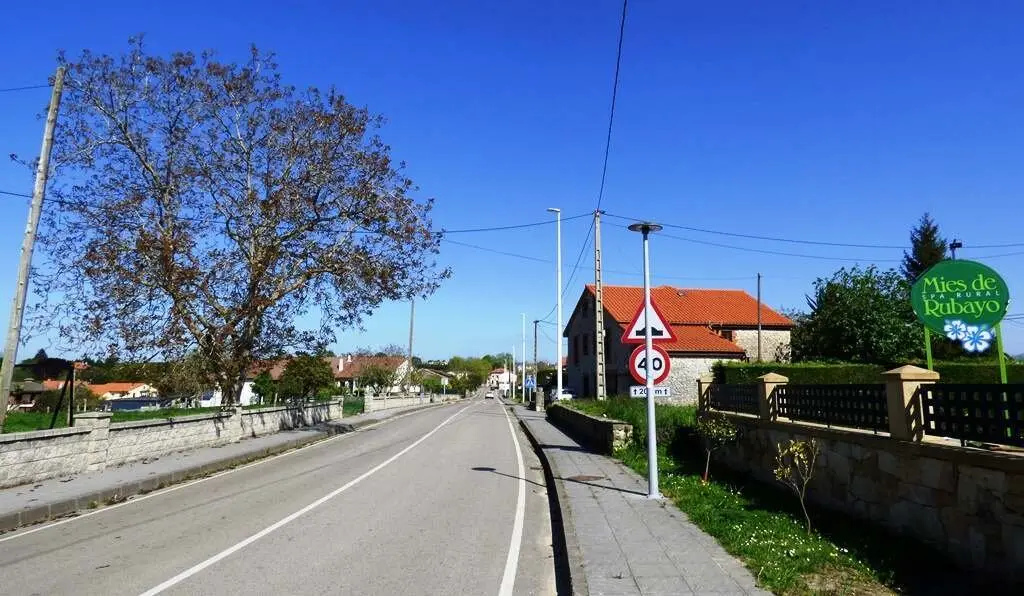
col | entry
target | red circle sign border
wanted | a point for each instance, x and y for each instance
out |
(661, 352)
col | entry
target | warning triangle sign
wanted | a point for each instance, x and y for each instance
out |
(661, 331)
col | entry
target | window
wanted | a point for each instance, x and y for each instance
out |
(729, 334)
(575, 349)
(586, 343)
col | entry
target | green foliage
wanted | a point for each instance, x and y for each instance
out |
(669, 419)
(715, 430)
(795, 463)
(264, 387)
(352, 406)
(432, 385)
(47, 400)
(825, 373)
(377, 377)
(19, 422)
(928, 247)
(305, 375)
(859, 315)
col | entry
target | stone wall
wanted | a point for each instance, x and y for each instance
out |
(966, 502)
(600, 434)
(93, 443)
(28, 457)
(683, 378)
(772, 342)
(265, 421)
(376, 404)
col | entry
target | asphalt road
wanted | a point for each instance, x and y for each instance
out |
(428, 503)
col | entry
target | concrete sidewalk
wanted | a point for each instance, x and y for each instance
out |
(42, 501)
(618, 541)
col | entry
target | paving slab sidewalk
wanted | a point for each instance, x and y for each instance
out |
(56, 497)
(618, 541)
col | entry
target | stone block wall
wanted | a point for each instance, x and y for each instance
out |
(28, 457)
(376, 404)
(265, 421)
(600, 434)
(93, 443)
(966, 502)
(131, 441)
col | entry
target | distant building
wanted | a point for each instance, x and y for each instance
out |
(124, 390)
(710, 325)
(501, 379)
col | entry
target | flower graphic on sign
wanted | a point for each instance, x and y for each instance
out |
(977, 339)
(955, 329)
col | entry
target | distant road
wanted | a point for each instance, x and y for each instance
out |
(425, 504)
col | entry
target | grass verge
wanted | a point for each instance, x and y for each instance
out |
(762, 525)
(352, 406)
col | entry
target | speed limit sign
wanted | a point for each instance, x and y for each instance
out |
(660, 364)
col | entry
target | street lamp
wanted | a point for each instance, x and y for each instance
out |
(558, 301)
(646, 228)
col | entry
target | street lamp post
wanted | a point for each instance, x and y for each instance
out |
(558, 303)
(646, 228)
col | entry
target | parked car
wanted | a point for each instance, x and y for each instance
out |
(489, 395)
(566, 394)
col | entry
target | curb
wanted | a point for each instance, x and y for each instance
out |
(577, 579)
(122, 492)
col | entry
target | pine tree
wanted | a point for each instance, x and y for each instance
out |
(927, 248)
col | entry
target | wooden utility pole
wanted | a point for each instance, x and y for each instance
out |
(600, 391)
(759, 317)
(27, 244)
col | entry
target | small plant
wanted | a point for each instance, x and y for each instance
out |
(716, 431)
(795, 466)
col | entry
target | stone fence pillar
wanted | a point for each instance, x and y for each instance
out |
(902, 390)
(98, 424)
(703, 389)
(766, 398)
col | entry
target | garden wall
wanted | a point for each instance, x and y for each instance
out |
(94, 443)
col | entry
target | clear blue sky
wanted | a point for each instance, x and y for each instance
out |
(840, 123)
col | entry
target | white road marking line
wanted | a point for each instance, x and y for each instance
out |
(163, 491)
(290, 518)
(508, 580)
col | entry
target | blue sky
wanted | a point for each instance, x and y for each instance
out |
(839, 123)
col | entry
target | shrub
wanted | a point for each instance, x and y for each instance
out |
(716, 431)
(794, 466)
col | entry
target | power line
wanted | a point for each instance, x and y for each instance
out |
(546, 222)
(611, 115)
(769, 238)
(765, 251)
(495, 251)
(15, 194)
(25, 88)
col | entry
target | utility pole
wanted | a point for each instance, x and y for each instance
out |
(27, 245)
(512, 373)
(523, 396)
(599, 370)
(412, 319)
(759, 317)
(955, 244)
(558, 302)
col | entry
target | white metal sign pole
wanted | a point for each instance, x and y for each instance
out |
(652, 439)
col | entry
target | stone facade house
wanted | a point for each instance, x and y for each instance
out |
(710, 325)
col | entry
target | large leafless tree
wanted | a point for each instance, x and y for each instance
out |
(203, 206)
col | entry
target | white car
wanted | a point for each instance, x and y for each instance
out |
(489, 395)
(566, 394)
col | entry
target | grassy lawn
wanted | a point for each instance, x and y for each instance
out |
(763, 525)
(352, 406)
(18, 422)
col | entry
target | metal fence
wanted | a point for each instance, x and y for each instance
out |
(977, 412)
(854, 406)
(733, 398)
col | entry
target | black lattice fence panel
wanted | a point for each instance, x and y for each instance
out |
(734, 398)
(854, 406)
(990, 413)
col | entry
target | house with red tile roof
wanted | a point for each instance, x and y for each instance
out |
(709, 325)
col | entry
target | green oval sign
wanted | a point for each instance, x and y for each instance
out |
(959, 293)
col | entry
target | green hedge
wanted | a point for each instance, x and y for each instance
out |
(817, 373)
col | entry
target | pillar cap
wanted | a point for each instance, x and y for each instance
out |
(773, 378)
(911, 373)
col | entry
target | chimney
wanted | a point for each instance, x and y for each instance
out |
(350, 358)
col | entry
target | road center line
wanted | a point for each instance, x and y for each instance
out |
(508, 580)
(290, 518)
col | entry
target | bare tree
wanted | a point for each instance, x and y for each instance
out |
(200, 205)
